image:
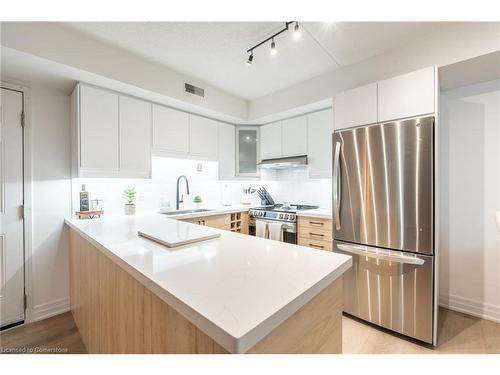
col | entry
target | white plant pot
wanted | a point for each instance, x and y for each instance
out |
(130, 209)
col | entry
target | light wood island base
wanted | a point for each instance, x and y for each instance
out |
(115, 313)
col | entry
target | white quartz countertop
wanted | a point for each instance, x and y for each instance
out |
(212, 210)
(318, 212)
(236, 288)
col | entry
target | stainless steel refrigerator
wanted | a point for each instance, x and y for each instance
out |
(383, 216)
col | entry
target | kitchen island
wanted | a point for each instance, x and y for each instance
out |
(232, 294)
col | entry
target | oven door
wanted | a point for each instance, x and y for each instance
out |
(289, 230)
(392, 289)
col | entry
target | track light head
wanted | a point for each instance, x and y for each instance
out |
(296, 31)
(273, 51)
(250, 59)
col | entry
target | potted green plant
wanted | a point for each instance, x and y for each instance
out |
(130, 194)
(197, 201)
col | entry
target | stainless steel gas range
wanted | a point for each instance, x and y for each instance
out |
(287, 215)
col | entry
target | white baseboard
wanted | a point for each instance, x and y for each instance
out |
(48, 309)
(471, 307)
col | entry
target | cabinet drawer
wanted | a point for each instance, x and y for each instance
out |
(315, 233)
(315, 222)
(315, 244)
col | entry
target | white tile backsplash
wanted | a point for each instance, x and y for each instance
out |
(291, 185)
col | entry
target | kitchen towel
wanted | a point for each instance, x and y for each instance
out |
(275, 231)
(261, 229)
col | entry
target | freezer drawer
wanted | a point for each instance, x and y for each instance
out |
(390, 288)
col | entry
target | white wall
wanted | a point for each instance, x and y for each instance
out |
(469, 197)
(293, 186)
(51, 197)
(455, 43)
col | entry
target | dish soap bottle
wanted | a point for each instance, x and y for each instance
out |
(84, 199)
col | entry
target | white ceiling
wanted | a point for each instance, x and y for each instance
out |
(215, 51)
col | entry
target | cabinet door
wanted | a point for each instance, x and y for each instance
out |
(218, 221)
(408, 95)
(294, 136)
(319, 144)
(356, 107)
(247, 151)
(170, 130)
(135, 137)
(227, 153)
(99, 131)
(203, 137)
(270, 141)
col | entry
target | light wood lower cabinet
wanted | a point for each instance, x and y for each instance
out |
(315, 232)
(234, 222)
(117, 313)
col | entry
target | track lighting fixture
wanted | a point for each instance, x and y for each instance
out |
(250, 59)
(274, 51)
(296, 31)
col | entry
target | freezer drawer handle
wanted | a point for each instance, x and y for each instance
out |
(336, 186)
(382, 255)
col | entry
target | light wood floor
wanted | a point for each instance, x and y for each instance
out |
(458, 333)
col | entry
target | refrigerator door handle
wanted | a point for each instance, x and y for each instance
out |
(380, 254)
(336, 186)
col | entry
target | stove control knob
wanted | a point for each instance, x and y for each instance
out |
(286, 217)
(281, 216)
(292, 217)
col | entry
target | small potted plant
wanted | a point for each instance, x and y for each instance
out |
(197, 201)
(130, 194)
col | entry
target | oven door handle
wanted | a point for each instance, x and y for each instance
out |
(283, 227)
(380, 254)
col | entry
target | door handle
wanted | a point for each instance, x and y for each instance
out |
(380, 254)
(336, 186)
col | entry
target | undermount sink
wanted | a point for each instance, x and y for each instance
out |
(180, 212)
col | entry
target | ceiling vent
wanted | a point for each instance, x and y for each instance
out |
(194, 90)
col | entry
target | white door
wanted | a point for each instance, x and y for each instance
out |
(99, 129)
(170, 130)
(135, 138)
(294, 131)
(319, 149)
(203, 137)
(270, 141)
(356, 107)
(227, 156)
(408, 95)
(11, 204)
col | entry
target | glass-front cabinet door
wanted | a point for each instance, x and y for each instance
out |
(247, 151)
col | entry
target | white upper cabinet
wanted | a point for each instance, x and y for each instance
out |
(227, 151)
(170, 130)
(203, 137)
(98, 130)
(111, 134)
(356, 107)
(408, 95)
(319, 144)
(270, 141)
(294, 136)
(135, 137)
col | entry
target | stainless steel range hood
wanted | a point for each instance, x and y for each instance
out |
(283, 163)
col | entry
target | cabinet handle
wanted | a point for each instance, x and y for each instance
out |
(316, 234)
(316, 223)
(316, 246)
